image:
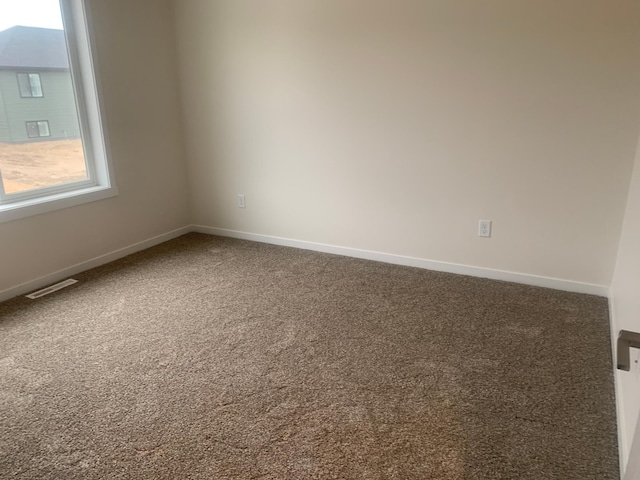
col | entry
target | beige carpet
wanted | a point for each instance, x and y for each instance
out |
(212, 358)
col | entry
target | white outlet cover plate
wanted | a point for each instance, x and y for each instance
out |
(484, 228)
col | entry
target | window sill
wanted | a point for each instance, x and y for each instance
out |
(49, 203)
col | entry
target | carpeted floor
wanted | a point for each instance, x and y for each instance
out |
(213, 358)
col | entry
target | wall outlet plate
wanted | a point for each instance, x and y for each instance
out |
(484, 229)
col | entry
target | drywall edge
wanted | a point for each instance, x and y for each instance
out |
(623, 448)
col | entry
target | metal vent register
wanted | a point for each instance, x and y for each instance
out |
(51, 289)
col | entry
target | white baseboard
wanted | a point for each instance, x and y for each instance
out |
(535, 280)
(46, 280)
(539, 281)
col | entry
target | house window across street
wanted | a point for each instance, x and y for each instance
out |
(30, 85)
(53, 152)
(38, 129)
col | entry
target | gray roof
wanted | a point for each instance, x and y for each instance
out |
(31, 47)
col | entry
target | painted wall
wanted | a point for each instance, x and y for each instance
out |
(625, 307)
(632, 470)
(136, 56)
(396, 126)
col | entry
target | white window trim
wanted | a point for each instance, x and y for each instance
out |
(76, 18)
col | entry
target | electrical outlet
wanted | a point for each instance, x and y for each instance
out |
(241, 201)
(484, 230)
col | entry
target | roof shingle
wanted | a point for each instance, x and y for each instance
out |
(31, 47)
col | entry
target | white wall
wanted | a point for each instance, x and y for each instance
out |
(632, 470)
(389, 126)
(396, 126)
(625, 309)
(136, 50)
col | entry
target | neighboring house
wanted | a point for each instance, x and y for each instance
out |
(36, 91)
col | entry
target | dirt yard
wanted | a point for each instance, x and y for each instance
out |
(39, 164)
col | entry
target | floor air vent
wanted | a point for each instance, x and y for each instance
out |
(51, 289)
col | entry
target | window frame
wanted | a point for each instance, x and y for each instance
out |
(85, 76)
(37, 124)
(28, 75)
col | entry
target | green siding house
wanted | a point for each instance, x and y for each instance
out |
(36, 92)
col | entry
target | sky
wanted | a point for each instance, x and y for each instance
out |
(30, 13)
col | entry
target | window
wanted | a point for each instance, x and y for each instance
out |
(38, 129)
(62, 161)
(30, 85)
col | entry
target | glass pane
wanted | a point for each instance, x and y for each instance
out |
(36, 86)
(43, 128)
(32, 129)
(24, 85)
(40, 138)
